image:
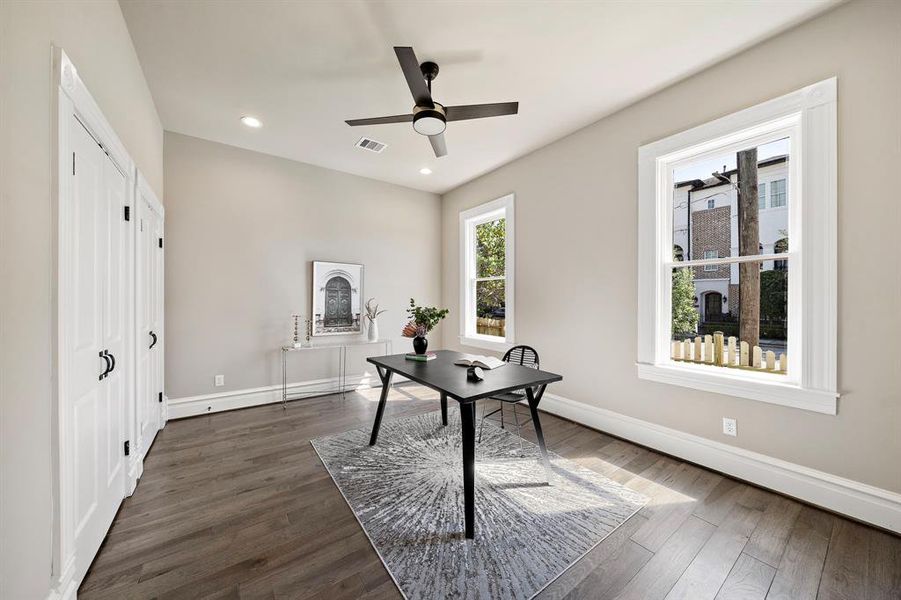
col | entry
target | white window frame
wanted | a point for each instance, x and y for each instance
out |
(500, 208)
(809, 116)
(761, 196)
(714, 254)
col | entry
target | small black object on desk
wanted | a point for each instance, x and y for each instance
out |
(475, 374)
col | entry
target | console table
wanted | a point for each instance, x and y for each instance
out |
(342, 364)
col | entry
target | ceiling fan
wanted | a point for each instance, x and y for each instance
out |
(430, 118)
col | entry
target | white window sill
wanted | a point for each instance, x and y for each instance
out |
(753, 386)
(486, 342)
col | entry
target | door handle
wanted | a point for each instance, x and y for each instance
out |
(103, 355)
(113, 359)
(153, 343)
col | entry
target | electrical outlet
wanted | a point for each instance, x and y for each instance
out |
(730, 427)
(219, 380)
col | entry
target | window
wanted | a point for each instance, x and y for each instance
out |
(711, 203)
(775, 337)
(777, 193)
(761, 196)
(486, 275)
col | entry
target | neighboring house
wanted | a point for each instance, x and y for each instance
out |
(713, 231)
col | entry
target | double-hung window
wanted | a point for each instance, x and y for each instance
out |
(777, 191)
(486, 275)
(762, 330)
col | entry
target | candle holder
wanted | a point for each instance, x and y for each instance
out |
(297, 342)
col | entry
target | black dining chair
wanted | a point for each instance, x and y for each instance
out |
(519, 355)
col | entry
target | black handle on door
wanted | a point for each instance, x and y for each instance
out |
(112, 358)
(153, 343)
(109, 364)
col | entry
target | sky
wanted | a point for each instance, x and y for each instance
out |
(704, 168)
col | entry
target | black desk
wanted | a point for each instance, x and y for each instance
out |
(450, 380)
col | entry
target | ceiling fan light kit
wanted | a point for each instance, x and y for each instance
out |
(430, 118)
(429, 121)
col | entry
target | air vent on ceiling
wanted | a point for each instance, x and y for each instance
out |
(371, 145)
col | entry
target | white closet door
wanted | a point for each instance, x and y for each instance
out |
(156, 314)
(149, 330)
(95, 324)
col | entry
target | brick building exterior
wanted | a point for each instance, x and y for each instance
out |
(705, 225)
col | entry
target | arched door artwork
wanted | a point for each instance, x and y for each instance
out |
(713, 306)
(337, 303)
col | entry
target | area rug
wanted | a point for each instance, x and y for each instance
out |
(407, 493)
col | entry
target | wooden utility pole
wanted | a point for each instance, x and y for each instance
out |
(748, 244)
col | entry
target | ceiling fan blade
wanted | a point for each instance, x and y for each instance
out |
(410, 66)
(438, 144)
(479, 111)
(380, 120)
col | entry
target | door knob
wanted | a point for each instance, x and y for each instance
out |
(109, 364)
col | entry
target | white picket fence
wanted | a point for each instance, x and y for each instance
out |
(728, 352)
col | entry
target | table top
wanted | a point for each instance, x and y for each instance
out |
(443, 375)
(326, 345)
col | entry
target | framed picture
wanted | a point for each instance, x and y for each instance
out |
(337, 298)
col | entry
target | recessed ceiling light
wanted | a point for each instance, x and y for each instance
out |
(252, 122)
(425, 171)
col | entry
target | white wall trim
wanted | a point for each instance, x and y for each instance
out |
(71, 97)
(504, 206)
(190, 406)
(860, 501)
(66, 588)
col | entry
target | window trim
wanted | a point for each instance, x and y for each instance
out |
(810, 113)
(503, 206)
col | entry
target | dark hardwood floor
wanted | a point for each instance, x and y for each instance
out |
(238, 505)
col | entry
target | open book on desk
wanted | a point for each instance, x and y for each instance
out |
(484, 362)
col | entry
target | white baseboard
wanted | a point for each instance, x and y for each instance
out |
(66, 588)
(189, 406)
(857, 500)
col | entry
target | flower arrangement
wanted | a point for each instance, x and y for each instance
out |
(422, 319)
(413, 330)
(372, 310)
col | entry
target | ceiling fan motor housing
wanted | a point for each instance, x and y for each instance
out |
(429, 121)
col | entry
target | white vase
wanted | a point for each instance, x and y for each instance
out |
(373, 333)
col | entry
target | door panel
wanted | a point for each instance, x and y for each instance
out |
(149, 309)
(95, 322)
(114, 319)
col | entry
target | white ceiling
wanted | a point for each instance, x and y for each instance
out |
(305, 67)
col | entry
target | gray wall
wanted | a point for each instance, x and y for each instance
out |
(576, 247)
(241, 231)
(96, 39)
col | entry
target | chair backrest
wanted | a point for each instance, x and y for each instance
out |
(522, 355)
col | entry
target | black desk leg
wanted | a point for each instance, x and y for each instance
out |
(385, 376)
(444, 409)
(534, 399)
(468, 419)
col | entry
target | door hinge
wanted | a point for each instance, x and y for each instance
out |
(73, 163)
(127, 448)
(161, 396)
(128, 213)
(161, 242)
